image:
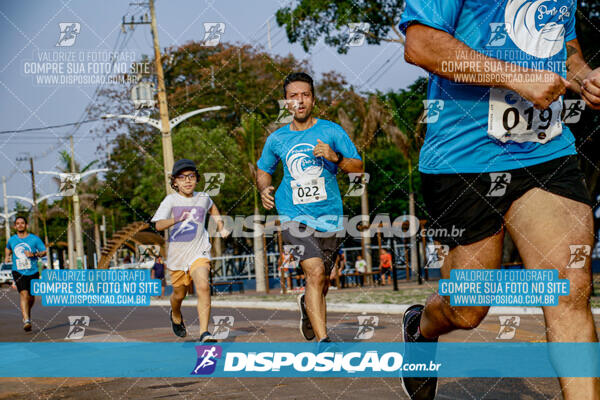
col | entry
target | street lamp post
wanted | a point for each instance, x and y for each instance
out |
(139, 119)
(72, 179)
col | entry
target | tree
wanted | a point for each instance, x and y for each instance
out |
(365, 119)
(245, 79)
(311, 19)
(251, 136)
(65, 166)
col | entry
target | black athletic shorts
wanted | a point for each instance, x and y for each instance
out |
(466, 208)
(23, 282)
(307, 242)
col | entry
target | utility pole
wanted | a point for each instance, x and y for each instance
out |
(34, 197)
(6, 214)
(77, 215)
(167, 145)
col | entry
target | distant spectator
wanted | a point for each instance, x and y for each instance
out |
(385, 266)
(361, 267)
(158, 272)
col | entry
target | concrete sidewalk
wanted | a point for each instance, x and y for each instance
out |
(348, 307)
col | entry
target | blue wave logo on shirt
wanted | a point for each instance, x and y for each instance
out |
(538, 27)
(301, 162)
(20, 250)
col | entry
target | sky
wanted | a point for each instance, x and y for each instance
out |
(31, 30)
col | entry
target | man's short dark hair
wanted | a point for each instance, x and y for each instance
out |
(298, 77)
(21, 217)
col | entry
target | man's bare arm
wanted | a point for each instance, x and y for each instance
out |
(351, 165)
(7, 256)
(347, 165)
(263, 182)
(442, 54)
(577, 68)
(584, 80)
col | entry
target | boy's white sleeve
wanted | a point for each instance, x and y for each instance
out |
(164, 210)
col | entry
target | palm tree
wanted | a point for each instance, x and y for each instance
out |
(366, 118)
(409, 142)
(250, 136)
(65, 166)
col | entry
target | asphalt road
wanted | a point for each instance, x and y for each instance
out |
(250, 325)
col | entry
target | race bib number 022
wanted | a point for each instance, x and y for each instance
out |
(23, 263)
(513, 118)
(308, 191)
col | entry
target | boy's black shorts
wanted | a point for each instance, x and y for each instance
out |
(466, 208)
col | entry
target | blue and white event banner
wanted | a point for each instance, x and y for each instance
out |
(506, 287)
(192, 359)
(96, 287)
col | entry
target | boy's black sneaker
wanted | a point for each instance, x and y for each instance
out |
(306, 328)
(417, 388)
(207, 337)
(178, 329)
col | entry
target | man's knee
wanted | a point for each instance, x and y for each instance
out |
(580, 290)
(315, 278)
(468, 317)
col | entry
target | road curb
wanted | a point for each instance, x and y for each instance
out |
(351, 308)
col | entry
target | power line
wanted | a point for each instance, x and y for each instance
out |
(50, 126)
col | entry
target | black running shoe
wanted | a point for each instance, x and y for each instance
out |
(306, 328)
(27, 325)
(207, 337)
(178, 329)
(417, 388)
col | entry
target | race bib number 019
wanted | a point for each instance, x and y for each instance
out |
(308, 191)
(23, 263)
(512, 117)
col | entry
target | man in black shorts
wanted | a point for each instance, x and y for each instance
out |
(498, 158)
(24, 249)
(308, 199)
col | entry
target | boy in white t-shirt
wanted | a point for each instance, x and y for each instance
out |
(188, 256)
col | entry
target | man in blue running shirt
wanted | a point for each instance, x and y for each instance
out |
(308, 200)
(24, 249)
(497, 156)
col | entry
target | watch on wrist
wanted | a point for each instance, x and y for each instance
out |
(340, 158)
